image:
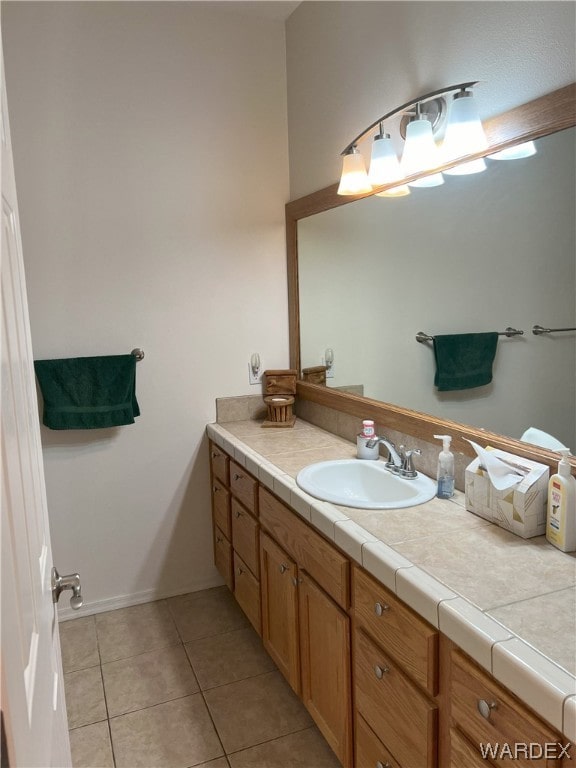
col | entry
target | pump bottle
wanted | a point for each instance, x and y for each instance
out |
(445, 474)
(561, 511)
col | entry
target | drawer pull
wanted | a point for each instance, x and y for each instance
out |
(238, 477)
(215, 489)
(380, 671)
(237, 513)
(283, 568)
(485, 707)
(380, 608)
(219, 539)
(240, 571)
(382, 765)
(215, 454)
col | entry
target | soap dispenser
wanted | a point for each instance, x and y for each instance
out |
(445, 474)
(561, 512)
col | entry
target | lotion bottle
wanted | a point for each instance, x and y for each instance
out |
(368, 433)
(561, 511)
(445, 474)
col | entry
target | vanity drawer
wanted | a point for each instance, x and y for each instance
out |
(370, 752)
(400, 716)
(405, 636)
(504, 720)
(219, 463)
(223, 557)
(245, 537)
(221, 507)
(247, 593)
(315, 555)
(244, 487)
(463, 754)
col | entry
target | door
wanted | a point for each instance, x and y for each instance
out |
(325, 666)
(278, 584)
(33, 705)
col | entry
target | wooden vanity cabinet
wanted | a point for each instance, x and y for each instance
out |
(395, 676)
(236, 531)
(303, 628)
(483, 712)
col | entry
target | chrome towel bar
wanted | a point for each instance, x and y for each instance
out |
(422, 337)
(537, 330)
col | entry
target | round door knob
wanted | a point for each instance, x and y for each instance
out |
(380, 671)
(380, 608)
(485, 707)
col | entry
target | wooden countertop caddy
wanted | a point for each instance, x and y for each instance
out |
(279, 391)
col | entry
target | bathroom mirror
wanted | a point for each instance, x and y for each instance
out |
(483, 251)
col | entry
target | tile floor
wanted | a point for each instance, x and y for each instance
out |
(179, 683)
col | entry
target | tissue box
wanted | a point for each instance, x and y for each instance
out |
(520, 509)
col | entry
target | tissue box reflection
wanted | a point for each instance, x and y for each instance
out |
(520, 509)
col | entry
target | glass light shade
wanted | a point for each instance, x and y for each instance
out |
(400, 191)
(421, 154)
(472, 166)
(354, 179)
(464, 136)
(527, 149)
(384, 164)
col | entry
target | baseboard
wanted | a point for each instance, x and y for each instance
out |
(125, 601)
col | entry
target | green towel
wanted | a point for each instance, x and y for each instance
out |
(464, 360)
(88, 392)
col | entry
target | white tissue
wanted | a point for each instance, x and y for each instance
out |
(501, 474)
(538, 437)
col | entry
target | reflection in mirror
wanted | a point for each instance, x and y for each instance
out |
(481, 253)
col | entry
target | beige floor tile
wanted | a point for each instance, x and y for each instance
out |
(222, 659)
(147, 679)
(259, 709)
(305, 749)
(177, 734)
(91, 746)
(209, 612)
(84, 697)
(220, 762)
(140, 628)
(79, 644)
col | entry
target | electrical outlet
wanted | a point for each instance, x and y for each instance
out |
(254, 378)
(329, 371)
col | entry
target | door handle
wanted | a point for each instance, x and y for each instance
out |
(60, 583)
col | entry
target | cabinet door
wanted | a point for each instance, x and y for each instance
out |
(247, 592)
(221, 507)
(223, 557)
(325, 666)
(280, 609)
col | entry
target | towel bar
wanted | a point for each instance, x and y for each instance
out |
(537, 330)
(138, 353)
(422, 337)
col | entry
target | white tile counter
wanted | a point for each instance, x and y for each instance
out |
(508, 602)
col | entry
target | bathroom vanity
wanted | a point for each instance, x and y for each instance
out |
(396, 666)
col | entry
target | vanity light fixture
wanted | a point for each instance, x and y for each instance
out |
(421, 117)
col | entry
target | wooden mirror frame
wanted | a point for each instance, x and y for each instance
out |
(545, 115)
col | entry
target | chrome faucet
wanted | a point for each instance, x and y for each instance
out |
(399, 460)
(395, 460)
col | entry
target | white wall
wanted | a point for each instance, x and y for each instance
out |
(151, 162)
(351, 62)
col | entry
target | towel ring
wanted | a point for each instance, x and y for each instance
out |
(138, 353)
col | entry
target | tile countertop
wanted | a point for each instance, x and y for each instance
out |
(510, 603)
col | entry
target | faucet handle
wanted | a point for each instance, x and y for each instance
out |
(407, 465)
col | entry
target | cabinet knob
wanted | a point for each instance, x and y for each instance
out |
(237, 513)
(215, 488)
(380, 608)
(380, 671)
(219, 539)
(240, 571)
(486, 707)
(382, 765)
(283, 568)
(294, 581)
(215, 454)
(237, 476)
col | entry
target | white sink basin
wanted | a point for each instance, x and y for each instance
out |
(364, 485)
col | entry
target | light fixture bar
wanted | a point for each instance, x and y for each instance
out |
(407, 105)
